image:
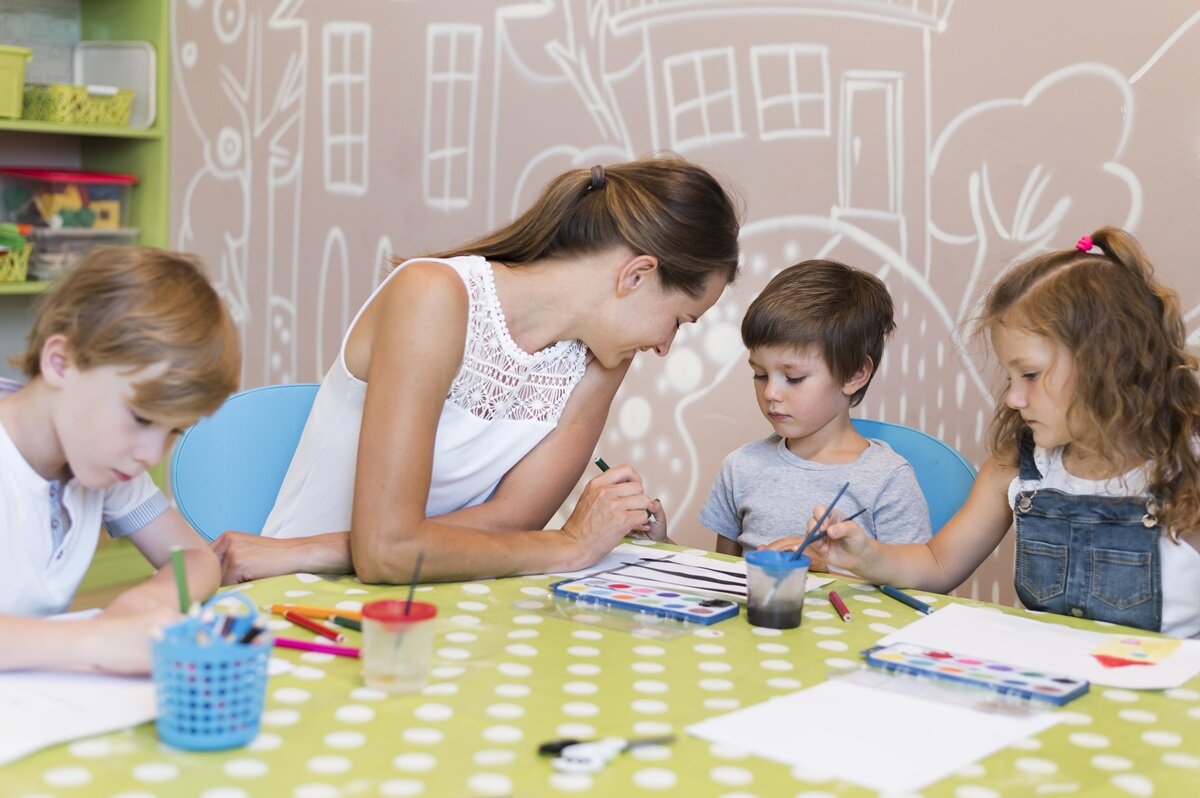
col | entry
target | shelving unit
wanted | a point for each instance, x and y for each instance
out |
(145, 153)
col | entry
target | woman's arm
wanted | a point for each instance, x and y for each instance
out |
(947, 559)
(395, 457)
(526, 498)
(536, 487)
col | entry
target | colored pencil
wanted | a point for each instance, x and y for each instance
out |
(904, 598)
(840, 606)
(180, 578)
(313, 612)
(321, 648)
(314, 627)
(346, 623)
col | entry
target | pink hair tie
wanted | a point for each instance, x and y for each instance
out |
(1084, 244)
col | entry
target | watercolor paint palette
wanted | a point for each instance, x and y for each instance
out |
(996, 676)
(613, 592)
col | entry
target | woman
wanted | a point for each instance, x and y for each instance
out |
(480, 379)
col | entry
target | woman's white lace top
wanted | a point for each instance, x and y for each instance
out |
(502, 402)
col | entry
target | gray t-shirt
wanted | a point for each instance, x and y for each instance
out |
(764, 492)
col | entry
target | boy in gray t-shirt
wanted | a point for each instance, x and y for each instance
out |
(815, 336)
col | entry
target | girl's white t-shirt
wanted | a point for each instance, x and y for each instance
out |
(1180, 563)
(502, 403)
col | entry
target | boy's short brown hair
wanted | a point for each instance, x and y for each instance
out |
(845, 313)
(140, 306)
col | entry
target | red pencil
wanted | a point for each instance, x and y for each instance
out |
(313, 626)
(839, 605)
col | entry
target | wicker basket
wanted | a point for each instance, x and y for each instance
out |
(14, 264)
(77, 105)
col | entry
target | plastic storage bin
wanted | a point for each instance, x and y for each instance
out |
(75, 104)
(60, 198)
(57, 251)
(12, 80)
(210, 688)
(130, 65)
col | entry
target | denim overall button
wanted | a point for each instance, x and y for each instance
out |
(1078, 613)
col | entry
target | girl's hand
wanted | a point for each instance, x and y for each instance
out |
(656, 529)
(612, 505)
(847, 544)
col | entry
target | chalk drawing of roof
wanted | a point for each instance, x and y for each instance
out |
(931, 14)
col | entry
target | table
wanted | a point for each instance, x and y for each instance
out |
(507, 677)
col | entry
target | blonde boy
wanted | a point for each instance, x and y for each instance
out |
(130, 347)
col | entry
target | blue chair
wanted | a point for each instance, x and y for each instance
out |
(227, 468)
(944, 475)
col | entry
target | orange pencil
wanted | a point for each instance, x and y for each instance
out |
(313, 626)
(313, 612)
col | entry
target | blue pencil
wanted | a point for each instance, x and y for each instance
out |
(904, 598)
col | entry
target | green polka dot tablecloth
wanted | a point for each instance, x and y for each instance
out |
(506, 678)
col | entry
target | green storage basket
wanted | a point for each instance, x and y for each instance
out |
(14, 264)
(73, 104)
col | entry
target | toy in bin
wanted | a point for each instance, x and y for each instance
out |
(14, 252)
(66, 199)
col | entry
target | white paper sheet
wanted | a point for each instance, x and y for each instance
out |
(833, 727)
(40, 709)
(696, 574)
(1029, 643)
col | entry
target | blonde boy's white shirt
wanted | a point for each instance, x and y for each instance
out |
(36, 578)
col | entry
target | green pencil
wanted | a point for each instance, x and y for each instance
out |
(345, 623)
(180, 578)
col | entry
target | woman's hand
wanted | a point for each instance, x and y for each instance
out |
(245, 557)
(612, 505)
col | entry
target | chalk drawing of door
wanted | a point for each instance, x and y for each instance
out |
(870, 143)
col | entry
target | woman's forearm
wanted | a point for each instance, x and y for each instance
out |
(452, 552)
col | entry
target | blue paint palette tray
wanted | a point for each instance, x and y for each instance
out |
(628, 595)
(999, 677)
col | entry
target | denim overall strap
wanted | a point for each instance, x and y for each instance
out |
(1025, 444)
(1089, 556)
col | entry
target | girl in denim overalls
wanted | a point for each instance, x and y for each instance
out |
(1094, 449)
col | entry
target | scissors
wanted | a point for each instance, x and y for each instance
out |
(590, 756)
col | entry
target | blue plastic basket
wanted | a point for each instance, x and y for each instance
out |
(210, 690)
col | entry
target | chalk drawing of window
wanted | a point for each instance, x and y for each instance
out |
(870, 141)
(791, 90)
(451, 91)
(702, 98)
(345, 70)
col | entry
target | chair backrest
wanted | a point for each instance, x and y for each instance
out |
(227, 469)
(944, 475)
